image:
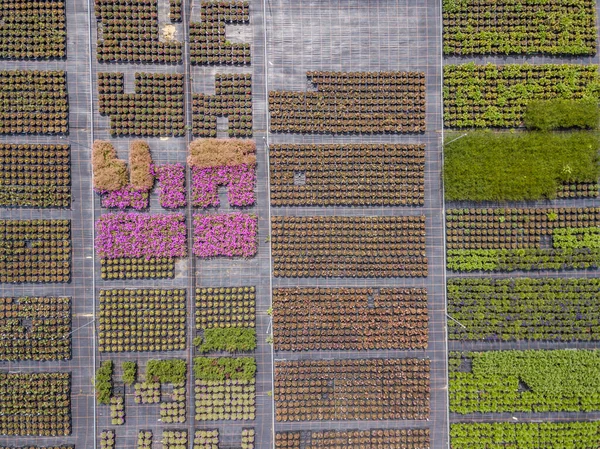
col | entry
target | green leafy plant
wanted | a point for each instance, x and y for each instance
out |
(129, 372)
(230, 339)
(243, 368)
(103, 382)
(172, 371)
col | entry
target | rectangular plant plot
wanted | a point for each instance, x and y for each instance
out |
(142, 320)
(225, 319)
(35, 328)
(232, 99)
(500, 435)
(134, 246)
(37, 404)
(209, 439)
(524, 381)
(35, 251)
(347, 175)
(354, 102)
(154, 110)
(474, 27)
(128, 31)
(35, 175)
(349, 319)
(348, 246)
(208, 40)
(483, 96)
(34, 102)
(33, 30)
(370, 389)
(225, 388)
(524, 309)
(355, 439)
(497, 239)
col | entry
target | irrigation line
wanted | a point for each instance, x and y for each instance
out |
(441, 106)
(268, 167)
(91, 79)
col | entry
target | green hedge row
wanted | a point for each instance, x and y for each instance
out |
(516, 166)
(546, 115)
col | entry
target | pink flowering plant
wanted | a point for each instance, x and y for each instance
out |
(239, 180)
(171, 178)
(140, 235)
(230, 235)
(125, 197)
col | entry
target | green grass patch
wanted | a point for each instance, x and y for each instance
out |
(515, 166)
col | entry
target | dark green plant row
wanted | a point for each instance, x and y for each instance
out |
(218, 369)
(482, 96)
(561, 113)
(524, 309)
(488, 166)
(524, 381)
(557, 27)
(547, 435)
(231, 340)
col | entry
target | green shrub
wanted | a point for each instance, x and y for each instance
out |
(516, 166)
(243, 368)
(103, 382)
(560, 113)
(172, 371)
(129, 372)
(231, 340)
(575, 238)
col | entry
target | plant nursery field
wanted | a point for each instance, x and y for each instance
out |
(266, 224)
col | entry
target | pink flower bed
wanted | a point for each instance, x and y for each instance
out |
(140, 235)
(171, 178)
(230, 235)
(239, 179)
(124, 198)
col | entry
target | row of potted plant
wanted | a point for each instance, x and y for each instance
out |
(347, 175)
(153, 320)
(36, 404)
(35, 251)
(225, 307)
(483, 96)
(33, 30)
(345, 319)
(348, 246)
(155, 109)
(523, 309)
(36, 102)
(304, 389)
(472, 28)
(232, 99)
(357, 439)
(48, 338)
(228, 235)
(137, 268)
(209, 439)
(208, 41)
(129, 32)
(347, 102)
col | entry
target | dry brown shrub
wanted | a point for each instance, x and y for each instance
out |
(140, 161)
(109, 172)
(219, 152)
